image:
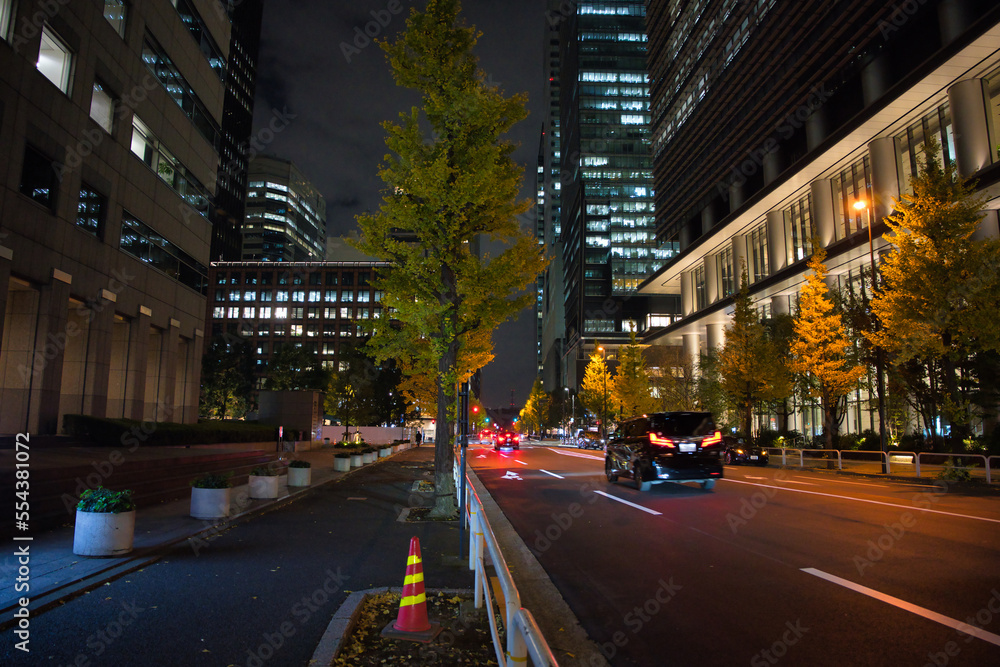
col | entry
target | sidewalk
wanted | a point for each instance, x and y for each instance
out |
(57, 574)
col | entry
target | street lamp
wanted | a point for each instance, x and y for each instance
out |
(861, 205)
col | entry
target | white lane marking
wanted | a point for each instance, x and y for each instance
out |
(520, 461)
(751, 477)
(792, 481)
(623, 501)
(481, 456)
(511, 475)
(864, 500)
(837, 481)
(963, 628)
(552, 473)
(578, 455)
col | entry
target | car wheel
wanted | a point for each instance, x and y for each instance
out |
(612, 477)
(637, 478)
(708, 484)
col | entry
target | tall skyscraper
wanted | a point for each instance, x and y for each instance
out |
(772, 120)
(285, 214)
(110, 122)
(606, 225)
(237, 127)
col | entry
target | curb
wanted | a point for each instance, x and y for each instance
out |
(346, 617)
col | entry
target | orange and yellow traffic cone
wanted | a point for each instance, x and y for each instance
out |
(412, 623)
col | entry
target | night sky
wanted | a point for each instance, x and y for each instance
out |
(335, 94)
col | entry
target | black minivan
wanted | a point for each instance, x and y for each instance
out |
(666, 447)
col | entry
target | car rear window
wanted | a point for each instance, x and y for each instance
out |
(683, 423)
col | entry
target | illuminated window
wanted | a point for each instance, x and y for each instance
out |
(114, 12)
(102, 107)
(55, 60)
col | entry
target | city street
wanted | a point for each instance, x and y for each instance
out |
(804, 568)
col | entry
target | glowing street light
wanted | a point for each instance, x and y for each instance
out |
(862, 205)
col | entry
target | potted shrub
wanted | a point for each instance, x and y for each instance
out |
(369, 455)
(105, 523)
(342, 461)
(357, 458)
(384, 451)
(299, 473)
(263, 482)
(210, 496)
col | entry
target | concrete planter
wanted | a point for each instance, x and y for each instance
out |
(342, 464)
(103, 533)
(209, 503)
(357, 460)
(299, 476)
(263, 487)
(384, 452)
(370, 457)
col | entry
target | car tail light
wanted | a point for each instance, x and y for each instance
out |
(515, 438)
(712, 440)
(660, 441)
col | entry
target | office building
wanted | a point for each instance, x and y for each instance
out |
(604, 184)
(285, 214)
(770, 120)
(110, 133)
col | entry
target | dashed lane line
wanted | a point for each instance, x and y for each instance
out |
(625, 502)
(553, 474)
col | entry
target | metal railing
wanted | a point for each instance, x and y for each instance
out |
(524, 638)
(905, 460)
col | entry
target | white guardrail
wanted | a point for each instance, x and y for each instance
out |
(903, 462)
(524, 638)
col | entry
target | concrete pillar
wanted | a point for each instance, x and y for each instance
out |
(17, 350)
(164, 409)
(970, 115)
(118, 376)
(687, 293)
(102, 313)
(72, 383)
(711, 279)
(823, 213)
(684, 237)
(989, 227)
(6, 259)
(740, 261)
(138, 353)
(954, 17)
(876, 77)
(883, 154)
(715, 335)
(737, 195)
(50, 341)
(774, 163)
(193, 377)
(780, 305)
(777, 249)
(707, 219)
(692, 348)
(817, 128)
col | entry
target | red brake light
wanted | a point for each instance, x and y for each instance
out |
(712, 440)
(660, 441)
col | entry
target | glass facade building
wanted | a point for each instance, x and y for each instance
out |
(285, 214)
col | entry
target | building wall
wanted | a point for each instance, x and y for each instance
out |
(285, 214)
(72, 289)
(860, 143)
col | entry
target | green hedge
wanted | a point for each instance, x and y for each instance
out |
(132, 433)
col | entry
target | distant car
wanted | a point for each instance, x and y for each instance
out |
(735, 450)
(588, 440)
(666, 447)
(506, 440)
(485, 435)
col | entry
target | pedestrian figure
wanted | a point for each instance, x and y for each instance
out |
(419, 436)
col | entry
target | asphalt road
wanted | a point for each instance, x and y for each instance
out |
(261, 592)
(772, 566)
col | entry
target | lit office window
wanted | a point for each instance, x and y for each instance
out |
(102, 107)
(6, 17)
(55, 60)
(90, 210)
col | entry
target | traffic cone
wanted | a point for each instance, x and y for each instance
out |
(412, 623)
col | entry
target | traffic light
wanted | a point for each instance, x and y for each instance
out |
(475, 409)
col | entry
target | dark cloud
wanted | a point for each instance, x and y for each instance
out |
(314, 63)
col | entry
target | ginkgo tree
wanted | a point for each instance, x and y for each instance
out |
(449, 178)
(632, 389)
(596, 387)
(821, 352)
(938, 303)
(535, 413)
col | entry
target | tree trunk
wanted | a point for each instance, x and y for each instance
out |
(445, 498)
